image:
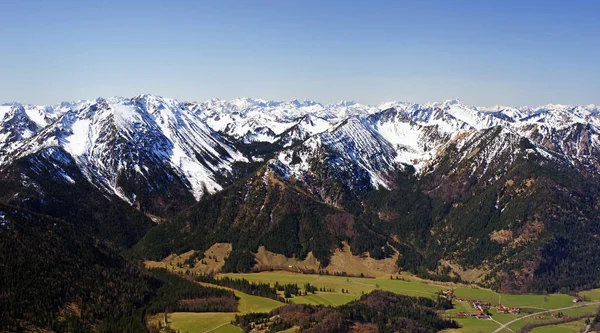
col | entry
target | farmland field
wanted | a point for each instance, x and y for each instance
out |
(355, 287)
(192, 322)
(591, 309)
(333, 299)
(572, 327)
(411, 287)
(218, 322)
(473, 326)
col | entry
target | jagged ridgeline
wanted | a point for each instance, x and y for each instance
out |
(510, 194)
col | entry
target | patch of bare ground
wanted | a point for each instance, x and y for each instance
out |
(530, 231)
(267, 260)
(473, 275)
(213, 261)
(364, 328)
(70, 310)
(501, 236)
(343, 261)
(156, 219)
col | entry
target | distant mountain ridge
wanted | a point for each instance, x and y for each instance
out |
(511, 191)
(193, 143)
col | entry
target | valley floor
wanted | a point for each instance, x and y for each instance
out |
(534, 308)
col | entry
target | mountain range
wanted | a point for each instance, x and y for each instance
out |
(510, 192)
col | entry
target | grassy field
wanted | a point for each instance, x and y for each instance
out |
(412, 287)
(470, 325)
(192, 322)
(333, 299)
(249, 303)
(593, 294)
(473, 326)
(572, 327)
(417, 287)
(355, 287)
(571, 312)
(554, 329)
(218, 322)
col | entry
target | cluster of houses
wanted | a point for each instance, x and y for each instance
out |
(483, 309)
(478, 315)
(481, 306)
(502, 309)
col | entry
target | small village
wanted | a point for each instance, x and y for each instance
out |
(482, 309)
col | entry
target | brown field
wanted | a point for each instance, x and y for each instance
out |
(342, 260)
(268, 260)
(214, 259)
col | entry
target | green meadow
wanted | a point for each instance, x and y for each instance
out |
(572, 327)
(193, 322)
(219, 322)
(355, 287)
(411, 287)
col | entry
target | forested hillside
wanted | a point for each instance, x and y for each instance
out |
(493, 203)
(446, 188)
(50, 184)
(55, 277)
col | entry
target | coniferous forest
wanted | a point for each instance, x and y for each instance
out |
(137, 194)
(57, 278)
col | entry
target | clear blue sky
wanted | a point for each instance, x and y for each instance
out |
(483, 52)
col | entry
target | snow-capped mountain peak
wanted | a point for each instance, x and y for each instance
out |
(116, 139)
(116, 142)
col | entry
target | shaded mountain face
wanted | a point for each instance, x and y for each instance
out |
(503, 203)
(58, 279)
(50, 182)
(513, 191)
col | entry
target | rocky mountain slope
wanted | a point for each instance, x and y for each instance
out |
(149, 145)
(452, 187)
(146, 150)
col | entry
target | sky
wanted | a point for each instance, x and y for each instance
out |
(483, 52)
